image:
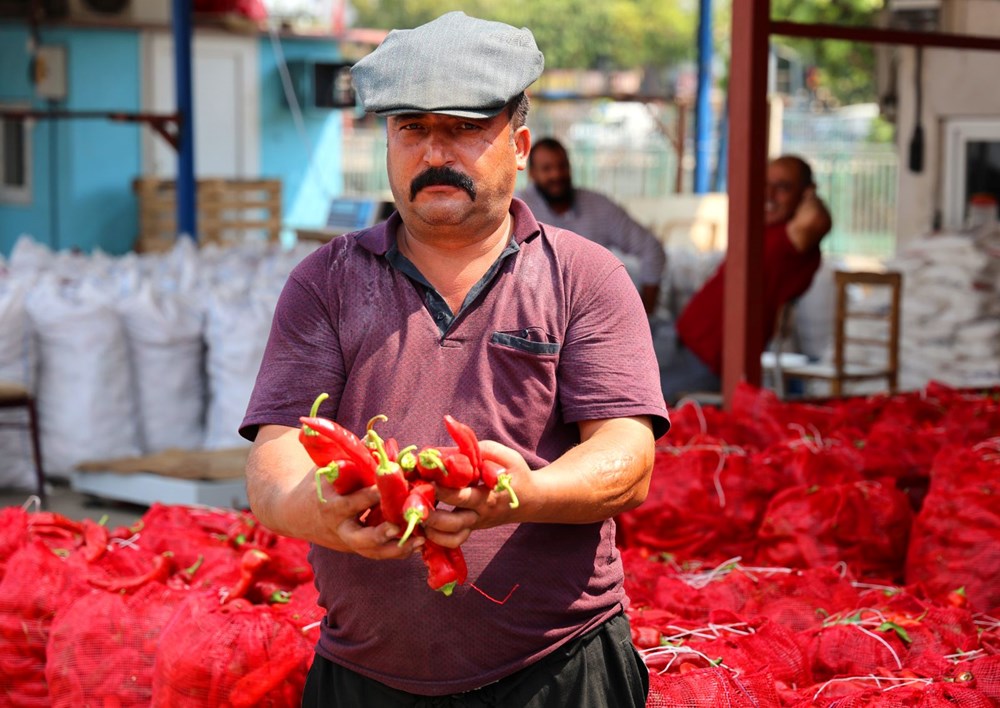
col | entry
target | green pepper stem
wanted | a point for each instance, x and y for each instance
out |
(407, 460)
(412, 517)
(448, 588)
(330, 473)
(503, 482)
(380, 418)
(431, 459)
(314, 411)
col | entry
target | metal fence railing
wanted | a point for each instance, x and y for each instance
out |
(858, 183)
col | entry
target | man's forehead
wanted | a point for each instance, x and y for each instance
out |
(784, 171)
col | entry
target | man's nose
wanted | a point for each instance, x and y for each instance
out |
(437, 150)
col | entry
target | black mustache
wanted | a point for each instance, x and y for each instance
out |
(445, 176)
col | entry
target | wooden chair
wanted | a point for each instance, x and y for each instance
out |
(13, 395)
(840, 371)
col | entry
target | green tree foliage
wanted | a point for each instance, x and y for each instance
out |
(578, 34)
(844, 70)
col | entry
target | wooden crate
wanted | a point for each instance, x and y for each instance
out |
(228, 211)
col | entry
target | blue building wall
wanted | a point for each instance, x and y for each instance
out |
(81, 169)
(82, 187)
(308, 160)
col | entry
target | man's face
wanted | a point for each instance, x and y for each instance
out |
(450, 171)
(551, 175)
(784, 191)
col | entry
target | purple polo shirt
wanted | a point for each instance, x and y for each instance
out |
(553, 335)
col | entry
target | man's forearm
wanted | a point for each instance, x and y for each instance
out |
(604, 475)
(273, 482)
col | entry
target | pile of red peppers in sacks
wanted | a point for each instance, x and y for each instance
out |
(405, 480)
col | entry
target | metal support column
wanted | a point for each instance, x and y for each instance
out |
(743, 315)
(186, 188)
(703, 103)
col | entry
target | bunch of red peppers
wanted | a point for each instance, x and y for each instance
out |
(405, 478)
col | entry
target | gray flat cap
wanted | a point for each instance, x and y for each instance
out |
(456, 65)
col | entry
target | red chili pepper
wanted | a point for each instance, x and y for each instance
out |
(445, 567)
(646, 637)
(958, 598)
(392, 449)
(497, 478)
(392, 485)
(344, 476)
(269, 592)
(162, 565)
(253, 688)
(465, 438)
(250, 564)
(326, 441)
(446, 466)
(417, 507)
(95, 540)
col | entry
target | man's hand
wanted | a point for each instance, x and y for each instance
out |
(810, 222)
(282, 491)
(477, 507)
(345, 532)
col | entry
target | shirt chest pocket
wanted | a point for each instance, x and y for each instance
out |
(530, 340)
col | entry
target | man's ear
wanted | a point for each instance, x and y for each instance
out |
(522, 146)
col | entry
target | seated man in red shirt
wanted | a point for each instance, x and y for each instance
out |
(796, 221)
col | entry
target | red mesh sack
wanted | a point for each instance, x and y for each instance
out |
(13, 533)
(891, 694)
(853, 650)
(955, 543)
(983, 674)
(694, 597)
(712, 687)
(36, 585)
(800, 600)
(970, 417)
(691, 420)
(102, 647)
(642, 570)
(302, 610)
(754, 646)
(933, 633)
(959, 467)
(808, 462)
(865, 525)
(237, 654)
(703, 503)
(900, 447)
(942, 695)
(192, 534)
(760, 410)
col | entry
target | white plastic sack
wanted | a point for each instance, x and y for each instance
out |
(18, 361)
(85, 398)
(166, 352)
(236, 330)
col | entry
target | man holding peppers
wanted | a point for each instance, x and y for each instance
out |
(463, 304)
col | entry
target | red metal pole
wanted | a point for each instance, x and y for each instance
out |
(747, 166)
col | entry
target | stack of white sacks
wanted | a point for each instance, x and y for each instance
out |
(951, 310)
(135, 354)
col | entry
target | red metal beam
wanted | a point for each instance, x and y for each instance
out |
(747, 163)
(879, 35)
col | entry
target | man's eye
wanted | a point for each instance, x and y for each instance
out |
(468, 126)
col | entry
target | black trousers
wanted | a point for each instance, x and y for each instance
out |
(601, 669)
